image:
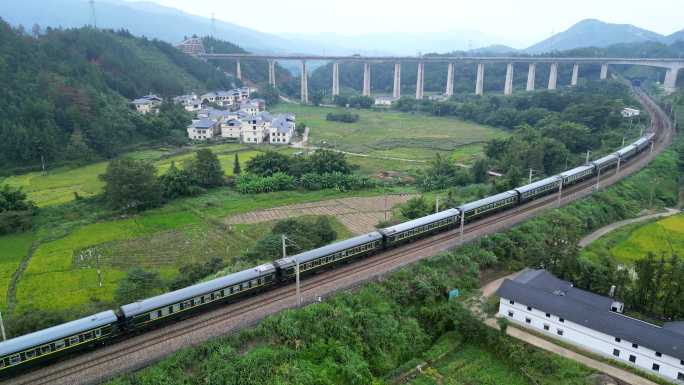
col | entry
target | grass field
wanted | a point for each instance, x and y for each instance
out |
(60, 185)
(62, 275)
(393, 134)
(633, 242)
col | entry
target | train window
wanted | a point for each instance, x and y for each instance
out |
(2, 363)
(30, 354)
(73, 340)
(15, 359)
(88, 336)
(59, 344)
(170, 309)
(45, 349)
(159, 313)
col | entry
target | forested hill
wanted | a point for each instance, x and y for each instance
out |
(65, 93)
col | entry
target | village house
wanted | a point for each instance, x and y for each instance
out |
(282, 129)
(191, 102)
(385, 100)
(147, 104)
(537, 300)
(203, 129)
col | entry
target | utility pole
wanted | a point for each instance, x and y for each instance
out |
(284, 245)
(437, 204)
(560, 191)
(598, 179)
(462, 222)
(529, 179)
(2, 328)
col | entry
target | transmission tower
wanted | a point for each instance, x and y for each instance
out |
(93, 19)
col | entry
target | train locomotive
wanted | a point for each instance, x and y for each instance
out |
(22, 352)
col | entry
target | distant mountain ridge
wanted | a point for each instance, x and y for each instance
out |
(596, 33)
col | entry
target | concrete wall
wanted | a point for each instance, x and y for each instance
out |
(591, 340)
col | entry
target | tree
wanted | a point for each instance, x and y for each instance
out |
(302, 234)
(317, 98)
(236, 165)
(138, 284)
(268, 163)
(326, 161)
(131, 185)
(415, 208)
(206, 169)
(479, 170)
(177, 183)
(16, 211)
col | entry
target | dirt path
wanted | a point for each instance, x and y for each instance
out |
(358, 214)
(16, 276)
(584, 242)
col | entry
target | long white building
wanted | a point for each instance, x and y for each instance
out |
(537, 300)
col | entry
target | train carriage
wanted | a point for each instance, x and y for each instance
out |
(180, 302)
(577, 174)
(51, 342)
(420, 227)
(606, 162)
(539, 188)
(644, 142)
(626, 152)
(329, 255)
(489, 205)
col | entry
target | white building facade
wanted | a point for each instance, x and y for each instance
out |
(653, 349)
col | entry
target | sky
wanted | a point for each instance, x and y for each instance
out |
(515, 22)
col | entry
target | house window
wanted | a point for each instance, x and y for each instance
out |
(548, 315)
(546, 327)
(616, 353)
(511, 302)
(635, 346)
(529, 308)
(559, 332)
(680, 376)
(510, 314)
(561, 320)
(618, 339)
(681, 362)
(529, 321)
(655, 367)
(632, 358)
(659, 354)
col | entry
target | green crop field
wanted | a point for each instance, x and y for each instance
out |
(62, 273)
(393, 134)
(59, 185)
(633, 242)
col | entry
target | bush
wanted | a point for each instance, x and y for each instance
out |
(336, 180)
(344, 117)
(138, 284)
(16, 211)
(131, 185)
(255, 184)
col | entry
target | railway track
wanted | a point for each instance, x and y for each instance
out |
(140, 350)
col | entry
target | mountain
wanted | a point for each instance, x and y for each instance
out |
(144, 19)
(494, 49)
(398, 43)
(677, 36)
(594, 33)
(65, 93)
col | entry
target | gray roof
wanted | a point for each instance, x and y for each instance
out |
(420, 221)
(612, 158)
(203, 123)
(539, 183)
(543, 291)
(328, 249)
(485, 201)
(60, 331)
(625, 150)
(283, 124)
(576, 170)
(176, 296)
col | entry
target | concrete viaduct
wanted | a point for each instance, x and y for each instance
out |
(671, 65)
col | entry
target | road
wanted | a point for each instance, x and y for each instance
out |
(141, 350)
(584, 242)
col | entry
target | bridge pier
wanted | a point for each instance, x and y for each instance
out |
(396, 91)
(304, 86)
(479, 83)
(336, 79)
(508, 87)
(450, 80)
(531, 74)
(553, 76)
(271, 73)
(366, 79)
(238, 72)
(670, 83)
(575, 74)
(604, 71)
(420, 81)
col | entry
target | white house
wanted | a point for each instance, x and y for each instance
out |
(203, 129)
(629, 112)
(385, 100)
(190, 102)
(282, 129)
(537, 300)
(255, 129)
(147, 104)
